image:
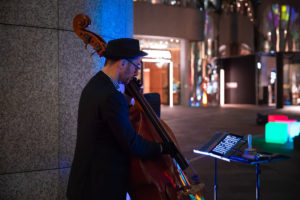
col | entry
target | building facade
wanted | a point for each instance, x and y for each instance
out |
(207, 31)
(166, 31)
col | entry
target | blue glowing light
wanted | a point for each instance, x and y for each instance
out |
(294, 130)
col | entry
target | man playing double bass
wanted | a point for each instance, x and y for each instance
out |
(105, 136)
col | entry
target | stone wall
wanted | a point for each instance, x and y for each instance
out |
(43, 69)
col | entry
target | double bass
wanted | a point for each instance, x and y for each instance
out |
(164, 177)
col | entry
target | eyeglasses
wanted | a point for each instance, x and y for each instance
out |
(136, 66)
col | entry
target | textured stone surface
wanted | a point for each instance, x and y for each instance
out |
(28, 99)
(117, 19)
(43, 71)
(68, 9)
(63, 182)
(76, 67)
(30, 185)
(30, 13)
(110, 19)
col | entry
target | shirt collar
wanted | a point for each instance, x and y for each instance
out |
(116, 84)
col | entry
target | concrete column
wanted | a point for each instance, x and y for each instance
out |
(185, 71)
(279, 80)
(43, 69)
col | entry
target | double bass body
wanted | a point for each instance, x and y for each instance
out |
(151, 179)
(160, 179)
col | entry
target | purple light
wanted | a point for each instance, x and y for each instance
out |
(270, 16)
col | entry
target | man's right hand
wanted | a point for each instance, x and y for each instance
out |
(169, 148)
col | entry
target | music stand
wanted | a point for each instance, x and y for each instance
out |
(227, 146)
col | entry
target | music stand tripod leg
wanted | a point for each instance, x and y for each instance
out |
(216, 180)
(257, 182)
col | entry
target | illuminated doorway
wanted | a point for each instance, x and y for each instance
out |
(162, 67)
(158, 78)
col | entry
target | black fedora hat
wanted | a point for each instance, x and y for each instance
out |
(123, 48)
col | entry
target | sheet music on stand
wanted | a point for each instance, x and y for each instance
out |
(222, 146)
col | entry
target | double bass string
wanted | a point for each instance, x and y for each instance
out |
(162, 132)
(154, 119)
(150, 112)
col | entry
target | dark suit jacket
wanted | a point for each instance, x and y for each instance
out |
(105, 140)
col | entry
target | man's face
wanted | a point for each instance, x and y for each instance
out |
(129, 70)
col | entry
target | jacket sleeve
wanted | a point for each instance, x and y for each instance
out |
(115, 112)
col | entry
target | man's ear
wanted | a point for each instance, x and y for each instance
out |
(122, 64)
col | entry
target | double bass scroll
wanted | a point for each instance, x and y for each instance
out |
(80, 22)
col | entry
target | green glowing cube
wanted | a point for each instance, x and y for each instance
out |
(276, 132)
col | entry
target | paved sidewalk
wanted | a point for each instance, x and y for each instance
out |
(194, 126)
